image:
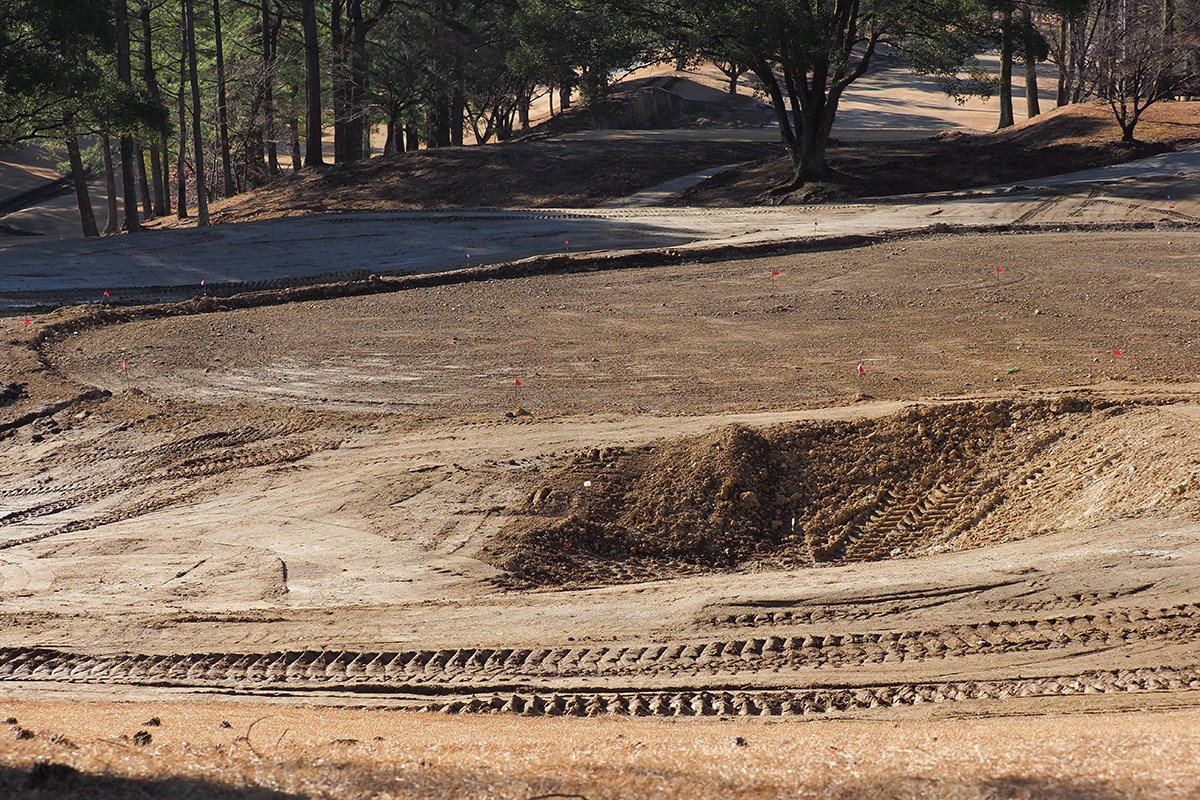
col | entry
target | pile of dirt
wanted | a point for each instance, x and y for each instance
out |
(662, 102)
(530, 174)
(1065, 140)
(929, 478)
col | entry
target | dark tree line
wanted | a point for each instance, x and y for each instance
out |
(180, 101)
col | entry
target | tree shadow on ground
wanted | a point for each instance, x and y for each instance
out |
(989, 788)
(52, 780)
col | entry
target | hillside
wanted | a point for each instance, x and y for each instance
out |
(1064, 140)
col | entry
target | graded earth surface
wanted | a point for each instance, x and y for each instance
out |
(693, 503)
(924, 468)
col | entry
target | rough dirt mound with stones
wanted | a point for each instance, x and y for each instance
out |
(929, 478)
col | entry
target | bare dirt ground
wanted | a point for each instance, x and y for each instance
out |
(336, 501)
(649, 486)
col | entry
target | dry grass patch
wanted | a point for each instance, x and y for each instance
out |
(283, 752)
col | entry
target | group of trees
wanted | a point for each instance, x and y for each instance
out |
(182, 100)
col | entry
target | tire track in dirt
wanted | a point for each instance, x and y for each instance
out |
(462, 666)
(170, 470)
(811, 702)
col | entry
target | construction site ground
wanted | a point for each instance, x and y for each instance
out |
(917, 477)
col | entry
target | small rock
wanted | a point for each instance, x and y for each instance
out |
(153, 722)
(224, 724)
(738, 741)
(142, 738)
(10, 721)
(25, 733)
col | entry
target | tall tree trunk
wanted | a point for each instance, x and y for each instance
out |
(139, 160)
(197, 142)
(294, 136)
(87, 218)
(523, 104)
(812, 138)
(339, 81)
(125, 74)
(222, 104)
(358, 128)
(158, 159)
(412, 139)
(268, 52)
(313, 156)
(1064, 59)
(181, 203)
(394, 134)
(112, 224)
(1006, 66)
(439, 121)
(564, 94)
(1033, 105)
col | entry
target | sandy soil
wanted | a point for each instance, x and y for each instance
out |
(318, 500)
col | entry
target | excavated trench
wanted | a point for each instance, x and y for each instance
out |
(931, 478)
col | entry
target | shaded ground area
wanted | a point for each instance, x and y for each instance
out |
(1065, 140)
(269, 753)
(534, 174)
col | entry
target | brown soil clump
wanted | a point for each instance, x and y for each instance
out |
(929, 478)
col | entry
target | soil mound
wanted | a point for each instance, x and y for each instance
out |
(662, 102)
(930, 478)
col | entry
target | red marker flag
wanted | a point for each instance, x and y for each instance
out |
(518, 383)
(27, 322)
(774, 272)
(202, 281)
(106, 294)
(124, 365)
(999, 270)
(1116, 352)
(861, 370)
